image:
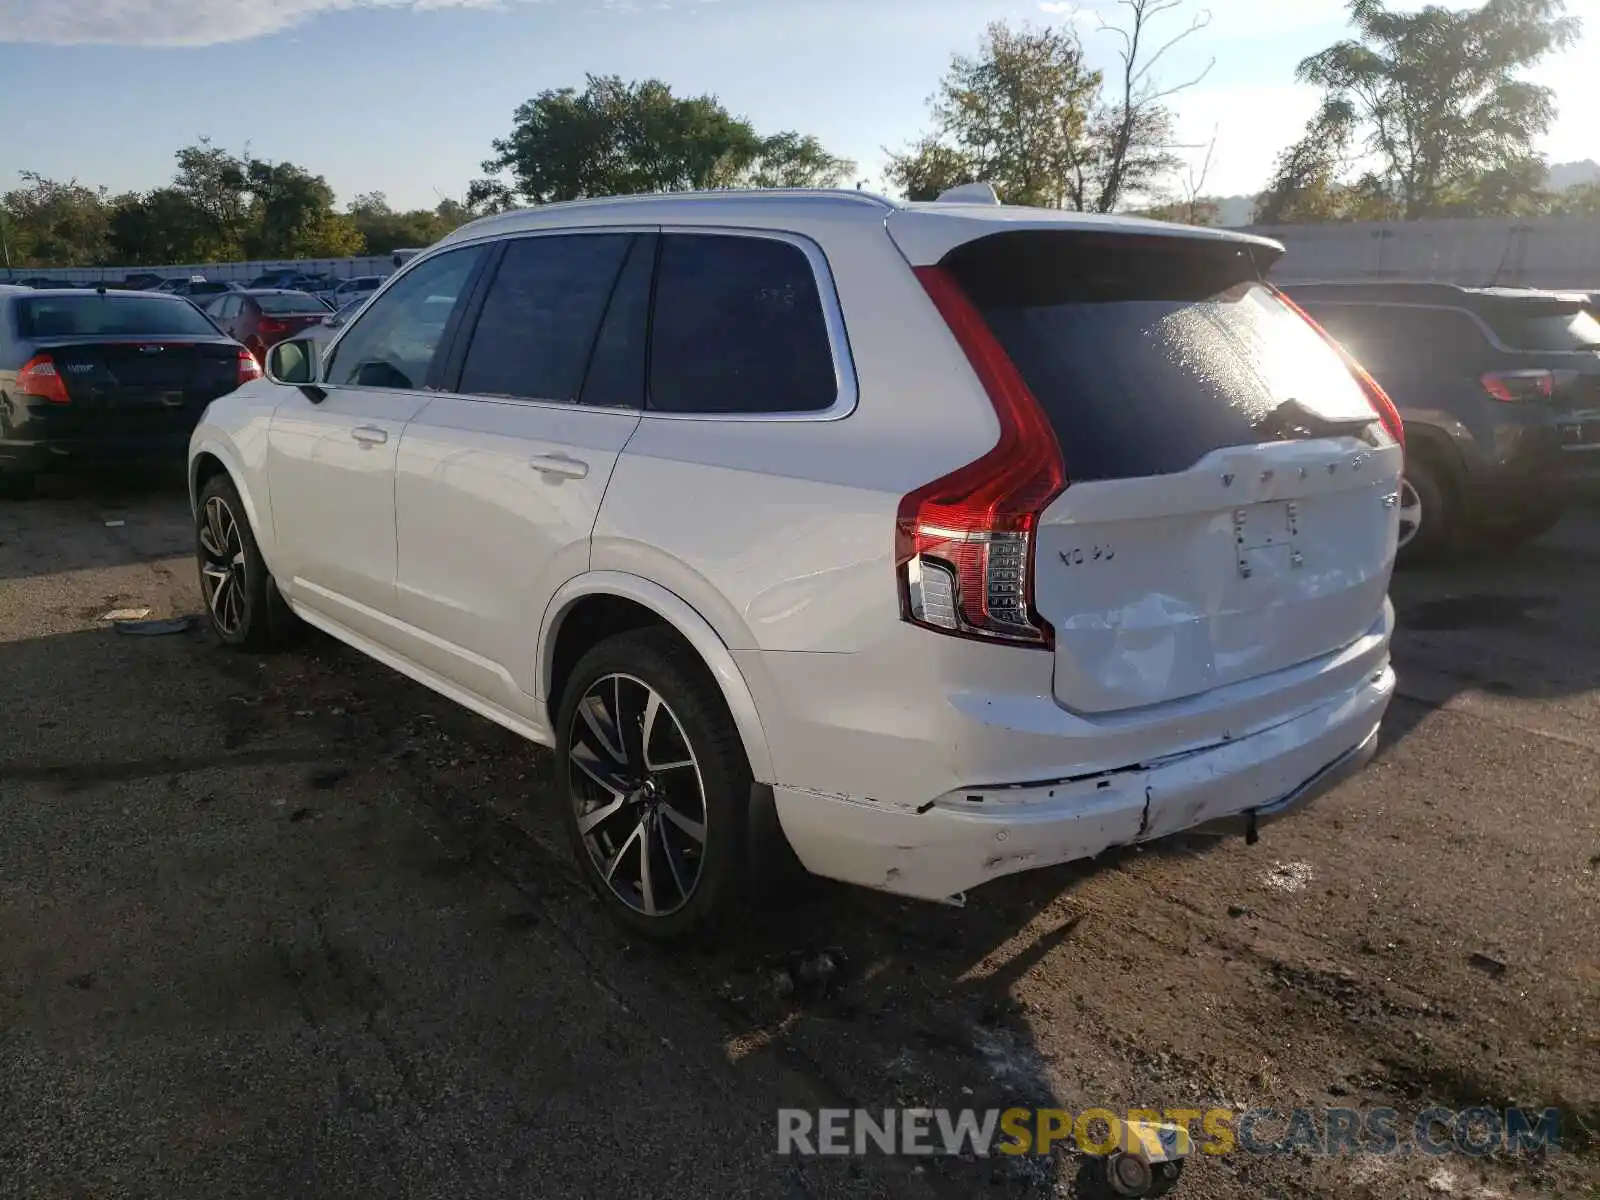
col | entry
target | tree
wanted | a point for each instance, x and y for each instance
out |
(54, 224)
(617, 138)
(290, 215)
(1016, 114)
(1028, 115)
(1436, 99)
(385, 230)
(1134, 134)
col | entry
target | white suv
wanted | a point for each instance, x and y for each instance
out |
(933, 542)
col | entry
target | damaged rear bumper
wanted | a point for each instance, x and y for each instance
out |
(972, 835)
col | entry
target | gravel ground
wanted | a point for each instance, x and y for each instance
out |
(294, 926)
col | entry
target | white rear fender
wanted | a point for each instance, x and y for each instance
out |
(694, 629)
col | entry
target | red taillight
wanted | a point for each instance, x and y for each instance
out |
(964, 544)
(1376, 396)
(1515, 387)
(40, 378)
(270, 327)
(249, 368)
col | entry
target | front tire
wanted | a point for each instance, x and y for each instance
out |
(243, 606)
(656, 785)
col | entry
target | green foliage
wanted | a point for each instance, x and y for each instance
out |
(53, 224)
(384, 230)
(1016, 114)
(617, 138)
(1437, 100)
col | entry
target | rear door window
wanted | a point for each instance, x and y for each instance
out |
(1405, 339)
(540, 317)
(1149, 353)
(738, 328)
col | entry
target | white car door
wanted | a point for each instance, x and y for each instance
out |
(332, 447)
(499, 481)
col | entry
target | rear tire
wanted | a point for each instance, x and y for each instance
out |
(656, 786)
(1436, 518)
(243, 606)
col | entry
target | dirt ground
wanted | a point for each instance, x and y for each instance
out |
(294, 926)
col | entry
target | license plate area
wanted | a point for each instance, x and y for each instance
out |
(1266, 537)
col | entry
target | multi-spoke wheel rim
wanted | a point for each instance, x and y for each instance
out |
(637, 794)
(1410, 512)
(222, 565)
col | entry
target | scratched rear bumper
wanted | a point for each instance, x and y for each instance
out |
(974, 835)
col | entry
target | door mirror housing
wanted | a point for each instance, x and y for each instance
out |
(293, 362)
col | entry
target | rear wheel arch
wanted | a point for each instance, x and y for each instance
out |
(593, 607)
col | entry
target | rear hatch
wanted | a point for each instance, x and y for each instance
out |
(1558, 340)
(131, 362)
(1230, 508)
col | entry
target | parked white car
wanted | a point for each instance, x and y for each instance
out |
(353, 290)
(934, 542)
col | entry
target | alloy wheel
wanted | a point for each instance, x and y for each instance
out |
(1410, 512)
(222, 566)
(637, 794)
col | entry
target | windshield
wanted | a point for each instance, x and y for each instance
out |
(1545, 327)
(290, 302)
(111, 315)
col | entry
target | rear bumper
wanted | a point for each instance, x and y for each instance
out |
(75, 454)
(975, 834)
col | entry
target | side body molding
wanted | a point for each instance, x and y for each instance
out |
(694, 628)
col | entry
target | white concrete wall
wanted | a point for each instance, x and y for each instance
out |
(1551, 252)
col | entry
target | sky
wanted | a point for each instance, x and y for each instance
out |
(405, 96)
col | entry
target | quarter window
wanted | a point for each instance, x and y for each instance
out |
(738, 327)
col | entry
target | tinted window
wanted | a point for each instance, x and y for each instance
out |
(738, 328)
(616, 370)
(393, 341)
(111, 315)
(1389, 339)
(541, 314)
(1542, 327)
(208, 289)
(1149, 353)
(289, 302)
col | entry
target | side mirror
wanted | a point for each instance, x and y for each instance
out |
(295, 363)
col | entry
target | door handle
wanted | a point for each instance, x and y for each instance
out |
(559, 465)
(370, 435)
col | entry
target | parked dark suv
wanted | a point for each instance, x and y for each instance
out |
(1499, 389)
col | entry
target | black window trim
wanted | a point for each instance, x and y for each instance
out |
(846, 387)
(455, 361)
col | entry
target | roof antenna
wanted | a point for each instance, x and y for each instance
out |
(970, 193)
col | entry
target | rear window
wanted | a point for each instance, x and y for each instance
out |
(111, 315)
(1149, 353)
(1545, 327)
(208, 289)
(290, 303)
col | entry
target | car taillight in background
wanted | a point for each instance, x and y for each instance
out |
(270, 326)
(964, 544)
(1388, 414)
(249, 368)
(1514, 387)
(39, 377)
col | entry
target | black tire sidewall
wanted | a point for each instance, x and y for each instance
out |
(663, 661)
(1437, 535)
(254, 631)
